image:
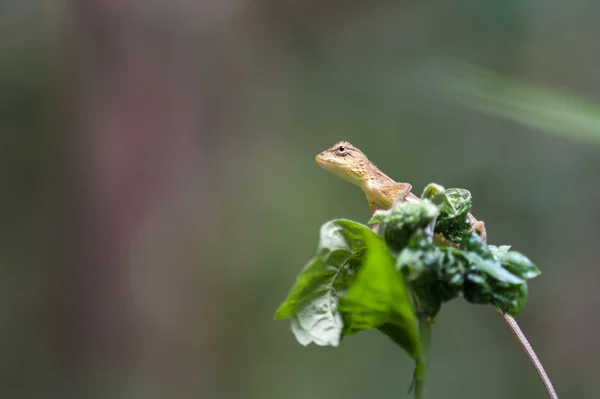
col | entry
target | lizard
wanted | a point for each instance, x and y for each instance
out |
(348, 162)
(351, 164)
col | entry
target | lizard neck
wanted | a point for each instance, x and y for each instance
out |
(374, 178)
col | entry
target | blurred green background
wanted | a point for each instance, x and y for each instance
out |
(159, 189)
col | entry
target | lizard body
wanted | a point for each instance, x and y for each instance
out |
(351, 164)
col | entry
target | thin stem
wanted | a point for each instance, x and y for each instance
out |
(539, 368)
(420, 371)
(423, 361)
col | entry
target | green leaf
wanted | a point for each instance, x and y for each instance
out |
(510, 299)
(453, 221)
(477, 288)
(400, 222)
(313, 300)
(481, 256)
(432, 191)
(515, 262)
(493, 268)
(378, 298)
(435, 274)
(457, 202)
(497, 252)
(496, 275)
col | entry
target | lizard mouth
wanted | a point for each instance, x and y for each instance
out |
(330, 166)
(322, 161)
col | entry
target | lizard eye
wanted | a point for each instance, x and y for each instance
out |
(342, 151)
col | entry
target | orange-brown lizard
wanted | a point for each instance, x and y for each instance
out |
(351, 164)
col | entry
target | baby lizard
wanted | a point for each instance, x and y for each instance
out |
(351, 164)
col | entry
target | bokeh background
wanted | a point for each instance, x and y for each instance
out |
(159, 192)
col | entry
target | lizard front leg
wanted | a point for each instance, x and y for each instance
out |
(389, 195)
(478, 226)
(373, 206)
(396, 193)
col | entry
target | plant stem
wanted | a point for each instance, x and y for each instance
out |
(423, 361)
(539, 368)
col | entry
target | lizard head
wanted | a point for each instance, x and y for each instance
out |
(345, 161)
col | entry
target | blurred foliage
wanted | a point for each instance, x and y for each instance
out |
(541, 109)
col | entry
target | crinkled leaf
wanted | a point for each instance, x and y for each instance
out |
(313, 301)
(453, 220)
(496, 276)
(435, 274)
(378, 298)
(400, 222)
(451, 276)
(510, 299)
(432, 191)
(497, 252)
(481, 288)
(481, 256)
(518, 264)
(302, 335)
(477, 287)
(493, 268)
